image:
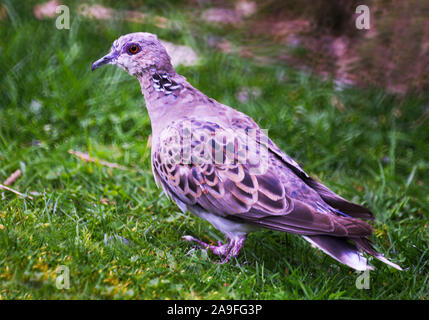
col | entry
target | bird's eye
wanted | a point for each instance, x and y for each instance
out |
(133, 49)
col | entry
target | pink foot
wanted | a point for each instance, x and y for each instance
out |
(228, 250)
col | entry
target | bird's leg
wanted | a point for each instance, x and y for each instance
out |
(219, 250)
(201, 243)
(228, 250)
(234, 247)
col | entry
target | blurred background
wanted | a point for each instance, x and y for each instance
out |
(76, 188)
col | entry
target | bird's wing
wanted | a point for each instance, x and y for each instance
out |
(241, 120)
(217, 170)
(330, 197)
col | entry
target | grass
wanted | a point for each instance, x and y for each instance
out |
(364, 144)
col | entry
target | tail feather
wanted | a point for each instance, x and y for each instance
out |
(348, 253)
(365, 245)
(341, 250)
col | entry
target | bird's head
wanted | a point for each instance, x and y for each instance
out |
(136, 53)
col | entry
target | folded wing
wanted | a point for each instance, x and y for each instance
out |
(245, 185)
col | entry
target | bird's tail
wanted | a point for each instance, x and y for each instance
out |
(349, 253)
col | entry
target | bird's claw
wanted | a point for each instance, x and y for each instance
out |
(228, 250)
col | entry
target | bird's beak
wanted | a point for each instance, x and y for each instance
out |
(107, 59)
